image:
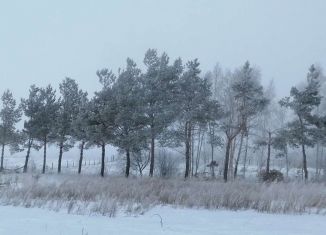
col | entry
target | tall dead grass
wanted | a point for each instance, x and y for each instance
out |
(105, 196)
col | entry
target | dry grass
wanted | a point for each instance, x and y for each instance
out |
(105, 196)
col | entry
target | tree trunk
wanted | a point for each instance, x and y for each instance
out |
(192, 151)
(45, 142)
(305, 169)
(188, 139)
(226, 161)
(127, 163)
(212, 133)
(269, 151)
(103, 159)
(2, 156)
(323, 160)
(238, 157)
(317, 160)
(140, 169)
(212, 159)
(200, 143)
(30, 142)
(80, 163)
(151, 166)
(212, 152)
(60, 156)
(245, 157)
(287, 162)
(231, 159)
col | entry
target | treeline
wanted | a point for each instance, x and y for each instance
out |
(168, 104)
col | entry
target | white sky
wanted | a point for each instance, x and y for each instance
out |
(43, 41)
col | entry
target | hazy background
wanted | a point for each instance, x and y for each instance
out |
(42, 42)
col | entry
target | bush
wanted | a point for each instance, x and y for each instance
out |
(166, 165)
(271, 176)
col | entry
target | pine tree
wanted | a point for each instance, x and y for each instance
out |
(69, 103)
(280, 143)
(194, 105)
(10, 115)
(302, 131)
(102, 114)
(130, 121)
(27, 141)
(159, 87)
(41, 108)
(31, 107)
(80, 126)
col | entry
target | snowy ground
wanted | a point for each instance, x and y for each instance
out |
(31, 221)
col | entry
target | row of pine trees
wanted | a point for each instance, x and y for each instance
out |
(164, 105)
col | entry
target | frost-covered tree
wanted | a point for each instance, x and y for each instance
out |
(10, 115)
(47, 116)
(139, 161)
(70, 102)
(217, 79)
(31, 107)
(280, 143)
(102, 114)
(158, 86)
(319, 114)
(41, 110)
(302, 132)
(28, 142)
(243, 99)
(194, 106)
(269, 123)
(80, 126)
(319, 120)
(130, 121)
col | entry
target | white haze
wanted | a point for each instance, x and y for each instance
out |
(42, 42)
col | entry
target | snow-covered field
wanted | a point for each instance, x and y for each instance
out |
(58, 216)
(74, 205)
(32, 221)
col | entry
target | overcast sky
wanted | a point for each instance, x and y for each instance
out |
(42, 41)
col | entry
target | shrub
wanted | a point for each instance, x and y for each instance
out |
(271, 176)
(166, 165)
